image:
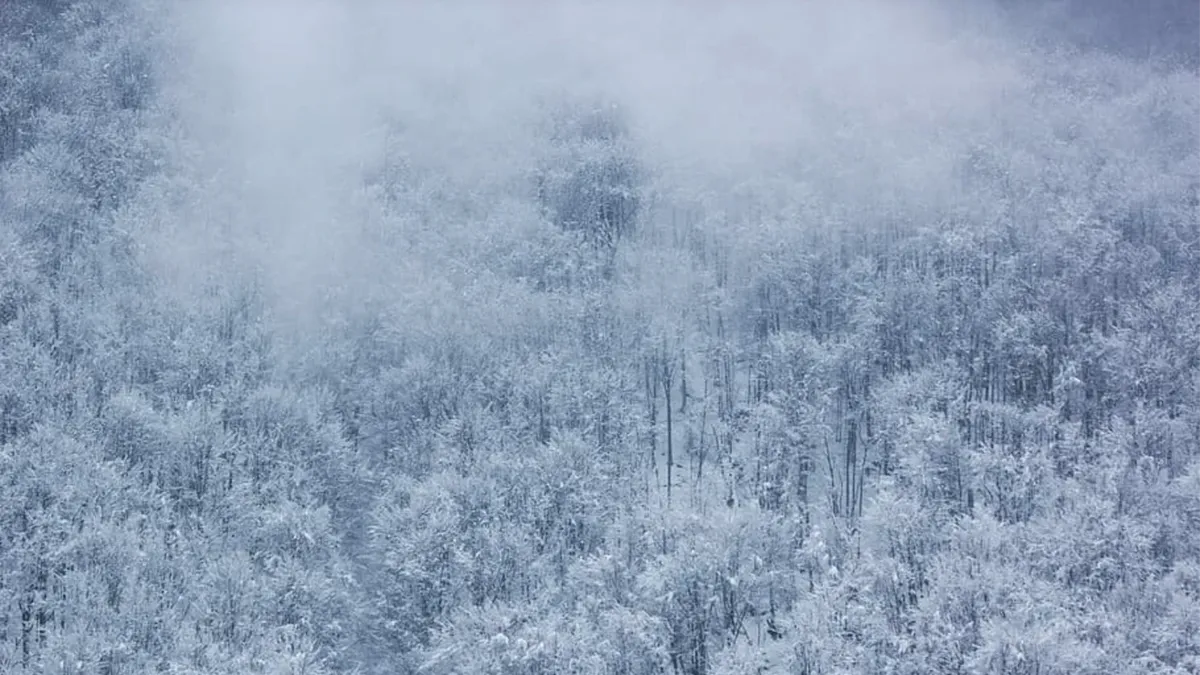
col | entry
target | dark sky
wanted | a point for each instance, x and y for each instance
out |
(1167, 29)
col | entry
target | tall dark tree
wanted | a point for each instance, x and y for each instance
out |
(592, 182)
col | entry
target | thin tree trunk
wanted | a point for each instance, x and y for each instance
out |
(667, 372)
(670, 449)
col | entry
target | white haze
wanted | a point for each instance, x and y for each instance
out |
(821, 110)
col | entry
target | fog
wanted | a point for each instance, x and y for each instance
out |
(293, 107)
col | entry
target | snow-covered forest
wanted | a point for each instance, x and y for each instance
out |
(693, 338)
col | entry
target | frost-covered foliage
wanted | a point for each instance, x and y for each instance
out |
(591, 181)
(624, 338)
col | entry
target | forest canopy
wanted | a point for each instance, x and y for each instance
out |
(600, 338)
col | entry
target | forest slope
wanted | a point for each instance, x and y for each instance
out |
(840, 338)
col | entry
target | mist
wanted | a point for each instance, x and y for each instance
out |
(294, 106)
